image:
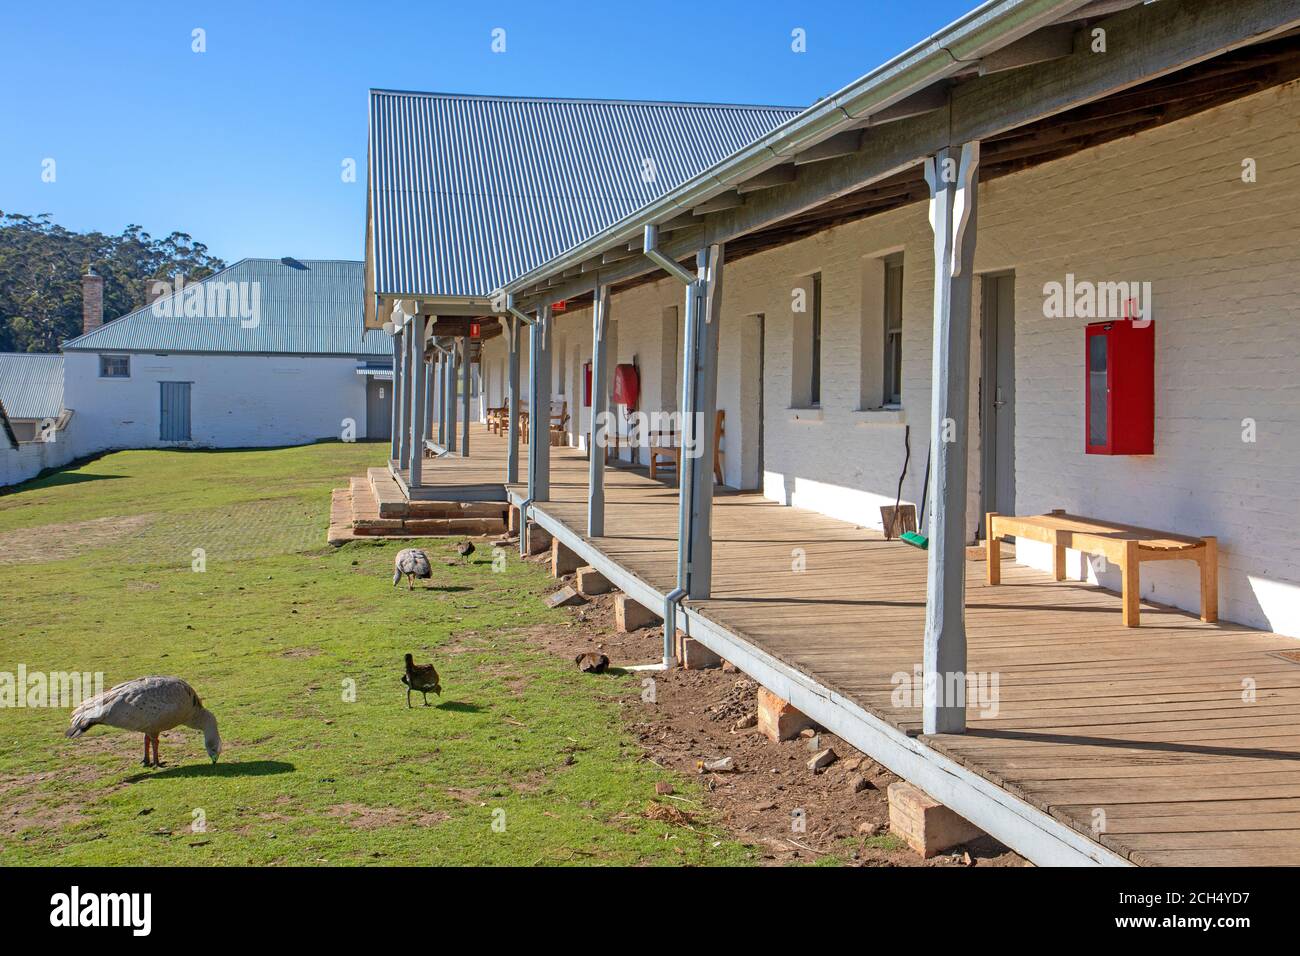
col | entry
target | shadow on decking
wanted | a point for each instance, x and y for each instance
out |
(1160, 746)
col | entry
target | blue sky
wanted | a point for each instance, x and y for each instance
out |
(242, 146)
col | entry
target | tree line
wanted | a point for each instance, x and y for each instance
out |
(41, 265)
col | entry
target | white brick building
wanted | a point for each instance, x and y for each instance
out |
(1167, 205)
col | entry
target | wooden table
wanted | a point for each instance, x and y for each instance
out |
(1125, 545)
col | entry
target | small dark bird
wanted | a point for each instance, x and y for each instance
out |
(592, 663)
(465, 549)
(413, 563)
(421, 677)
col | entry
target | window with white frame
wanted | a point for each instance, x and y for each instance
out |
(115, 366)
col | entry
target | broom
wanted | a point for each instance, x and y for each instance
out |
(915, 538)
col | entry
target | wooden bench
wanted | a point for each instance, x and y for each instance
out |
(667, 446)
(1125, 545)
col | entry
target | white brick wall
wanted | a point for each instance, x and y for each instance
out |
(1167, 206)
(237, 401)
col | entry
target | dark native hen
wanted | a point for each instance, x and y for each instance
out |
(422, 678)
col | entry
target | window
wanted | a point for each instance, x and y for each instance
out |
(893, 391)
(815, 389)
(115, 366)
(806, 351)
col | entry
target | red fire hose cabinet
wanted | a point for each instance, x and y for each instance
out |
(1120, 416)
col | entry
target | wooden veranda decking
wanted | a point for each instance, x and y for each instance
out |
(449, 477)
(1142, 733)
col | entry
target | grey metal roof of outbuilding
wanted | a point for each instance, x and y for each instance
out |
(467, 192)
(305, 307)
(31, 384)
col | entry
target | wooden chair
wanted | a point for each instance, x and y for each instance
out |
(497, 419)
(523, 425)
(666, 446)
(559, 420)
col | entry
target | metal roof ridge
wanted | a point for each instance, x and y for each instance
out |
(582, 100)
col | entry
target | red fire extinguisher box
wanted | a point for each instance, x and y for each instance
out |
(586, 385)
(1120, 359)
(627, 385)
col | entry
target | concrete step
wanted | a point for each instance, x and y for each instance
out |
(340, 529)
(374, 506)
(495, 510)
(391, 501)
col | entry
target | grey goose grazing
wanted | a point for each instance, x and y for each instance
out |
(413, 563)
(149, 705)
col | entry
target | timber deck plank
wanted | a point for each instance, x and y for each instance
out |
(1144, 725)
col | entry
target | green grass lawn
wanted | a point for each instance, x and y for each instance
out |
(96, 574)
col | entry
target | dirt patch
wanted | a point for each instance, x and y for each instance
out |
(771, 799)
(55, 542)
(294, 653)
(25, 809)
(360, 817)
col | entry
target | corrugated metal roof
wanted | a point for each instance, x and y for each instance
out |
(468, 192)
(304, 307)
(31, 384)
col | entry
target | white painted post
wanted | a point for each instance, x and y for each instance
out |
(402, 396)
(452, 413)
(539, 406)
(512, 415)
(427, 405)
(416, 377)
(952, 174)
(599, 407)
(700, 419)
(466, 358)
(444, 369)
(395, 438)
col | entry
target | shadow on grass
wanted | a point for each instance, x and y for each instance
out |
(67, 478)
(248, 768)
(460, 707)
(447, 589)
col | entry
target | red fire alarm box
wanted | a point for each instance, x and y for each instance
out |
(586, 385)
(1121, 388)
(627, 385)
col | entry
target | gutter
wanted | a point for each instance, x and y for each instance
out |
(988, 27)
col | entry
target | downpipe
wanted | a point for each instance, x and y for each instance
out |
(672, 601)
(523, 526)
(655, 255)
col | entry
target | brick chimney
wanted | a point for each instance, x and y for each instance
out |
(92, 301)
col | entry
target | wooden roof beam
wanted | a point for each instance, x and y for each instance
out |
(728, 200)
(776, 176)
(841, 144)
(614, 255)
(1049, 43)
(933, 97)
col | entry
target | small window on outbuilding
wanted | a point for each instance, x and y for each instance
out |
(115, 366)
